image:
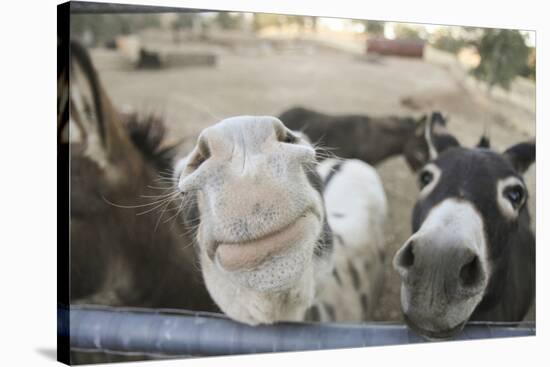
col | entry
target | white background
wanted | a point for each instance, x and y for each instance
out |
(28, 182)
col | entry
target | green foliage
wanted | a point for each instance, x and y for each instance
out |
(274, 20)
(228, 20)
(261, 21)
(372, 27)
(446, 41)
(105, 27)
(407, 32)
(375, 27)
(184, 20)
(503, 55)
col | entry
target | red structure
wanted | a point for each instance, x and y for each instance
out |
(397, 47)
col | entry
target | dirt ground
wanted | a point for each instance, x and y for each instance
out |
(259, 80)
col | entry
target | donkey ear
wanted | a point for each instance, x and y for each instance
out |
(431, 137)
(521, 155)
(437, 118)
(484, 142)
(437, 137)
(93, 120)
(87, 114)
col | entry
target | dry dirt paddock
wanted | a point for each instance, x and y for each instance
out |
(266, 81)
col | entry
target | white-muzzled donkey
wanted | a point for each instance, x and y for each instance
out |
(280, 236)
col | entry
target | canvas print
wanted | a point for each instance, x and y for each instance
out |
(236, 182)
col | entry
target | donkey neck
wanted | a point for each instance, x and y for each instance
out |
(383, 138)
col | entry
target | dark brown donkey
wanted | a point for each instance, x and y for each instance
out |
(371, 139)
(127, 247)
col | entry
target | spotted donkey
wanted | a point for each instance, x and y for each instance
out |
(280, 236)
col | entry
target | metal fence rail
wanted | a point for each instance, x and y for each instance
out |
(167, 333)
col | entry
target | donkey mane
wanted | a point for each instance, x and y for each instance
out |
(148, 134)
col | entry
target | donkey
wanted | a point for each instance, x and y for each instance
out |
(472, 252)
(279, 236)
(371, 139)
(122, 253)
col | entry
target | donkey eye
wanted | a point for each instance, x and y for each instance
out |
(288, 138)
(515, 194)
(425, 178)
(285, 136)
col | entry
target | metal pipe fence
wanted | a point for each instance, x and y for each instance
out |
(181, 333)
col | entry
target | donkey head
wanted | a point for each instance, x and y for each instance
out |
(415, 149)
(253, 190)
(472, 250)
(118, 256)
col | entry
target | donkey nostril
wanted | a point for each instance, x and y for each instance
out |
(406, 258)
(201, 153)
(470, 273)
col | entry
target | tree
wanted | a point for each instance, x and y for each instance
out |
(372, 27)
(313, 24)
(375, 27)
(228, 20)
(262, 20)
(408, 32)
(184, 21)
(503, 55)
(445, 40)
(105, 27)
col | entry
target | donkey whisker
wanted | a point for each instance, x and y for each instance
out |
(165, 180)
(161, 215)
(157, 204)
(177, 213)
(172, 193)
(164, 202)
(136, 206)
(169, 187)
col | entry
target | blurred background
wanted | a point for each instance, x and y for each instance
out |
(196, 68)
